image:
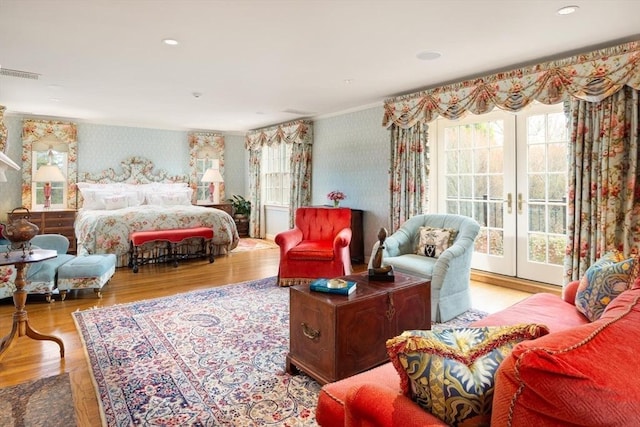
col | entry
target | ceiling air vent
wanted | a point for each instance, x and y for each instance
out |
(19, 74)
(298, 112)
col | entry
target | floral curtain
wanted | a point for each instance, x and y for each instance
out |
(604, 195)
(205, 144)
(300, 134)
(65, 132)
(409, 172)
(591, 77)
(256, 225)
(3, 130)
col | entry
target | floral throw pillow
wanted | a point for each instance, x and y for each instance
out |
(604, 280)
(451, 373)
(433, 241)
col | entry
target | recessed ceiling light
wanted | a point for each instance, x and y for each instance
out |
(348, 81)
(567, 10)
(428, 55)
(170, 42)
(54, 99)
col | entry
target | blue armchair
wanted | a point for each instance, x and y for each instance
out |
(449, 273)
(40, 276)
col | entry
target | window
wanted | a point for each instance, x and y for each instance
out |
(58, 189)
(202, 164)
(276, 175)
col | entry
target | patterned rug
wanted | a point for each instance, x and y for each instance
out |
(202, 358)
(43, 402)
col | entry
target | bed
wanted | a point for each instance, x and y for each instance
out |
(114, 205)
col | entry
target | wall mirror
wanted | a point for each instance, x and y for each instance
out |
(49, 173)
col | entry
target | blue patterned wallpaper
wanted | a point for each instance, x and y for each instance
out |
(351, 154)
(101, 146)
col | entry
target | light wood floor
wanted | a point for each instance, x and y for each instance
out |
(30, 359)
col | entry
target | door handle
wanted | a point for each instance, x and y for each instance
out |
(509, 201)
(520, 203)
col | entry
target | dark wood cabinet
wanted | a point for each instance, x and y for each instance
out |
(336, 336)
(53, 221)
(356, 247)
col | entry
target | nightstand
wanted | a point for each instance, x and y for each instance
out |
(52, 221)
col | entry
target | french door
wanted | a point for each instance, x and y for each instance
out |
(508, 171)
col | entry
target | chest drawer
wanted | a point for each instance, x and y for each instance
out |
(52, 222)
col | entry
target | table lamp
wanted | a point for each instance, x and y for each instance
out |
(212, 175)
(48, 173)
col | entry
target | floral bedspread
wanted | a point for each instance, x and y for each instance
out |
(107, 231)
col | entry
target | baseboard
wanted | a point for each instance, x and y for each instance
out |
(514, 283)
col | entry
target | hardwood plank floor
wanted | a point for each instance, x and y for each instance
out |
(31, 359)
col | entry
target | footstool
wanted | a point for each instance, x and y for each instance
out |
(86, 272)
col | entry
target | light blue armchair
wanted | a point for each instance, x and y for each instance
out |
(449, 273)
(40, 276)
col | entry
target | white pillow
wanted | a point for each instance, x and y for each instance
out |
(92, 199)
(177, 196)
(115, 202)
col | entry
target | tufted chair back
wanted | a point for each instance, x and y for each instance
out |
(322, 223)
(318, 246)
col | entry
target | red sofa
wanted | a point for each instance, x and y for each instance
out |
(582, 373)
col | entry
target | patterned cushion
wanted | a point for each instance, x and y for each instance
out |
(451, 373)
(603, 281)
(433, 241)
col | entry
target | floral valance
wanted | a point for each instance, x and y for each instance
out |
(591, 77)
(298, 132)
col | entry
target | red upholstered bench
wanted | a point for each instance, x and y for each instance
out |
(173, 238)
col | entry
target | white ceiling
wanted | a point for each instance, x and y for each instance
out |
(102, 61)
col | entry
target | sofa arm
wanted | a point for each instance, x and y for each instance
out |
(569, 292)
(342, 239)
(287, 240)
(371, 405)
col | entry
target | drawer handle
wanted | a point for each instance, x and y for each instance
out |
(309, 332)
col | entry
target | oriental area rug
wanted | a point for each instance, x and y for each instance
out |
(205, 358)
(38, 403)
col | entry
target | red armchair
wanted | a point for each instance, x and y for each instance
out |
(318, 246)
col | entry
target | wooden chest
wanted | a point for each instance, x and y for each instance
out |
(53, 222)
(335, 336)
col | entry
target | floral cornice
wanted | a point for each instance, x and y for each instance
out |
(295, 132)
(589, 76)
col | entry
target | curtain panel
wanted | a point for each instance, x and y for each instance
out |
(590, 77)
(3, 130)
(409, 171)
(300, 134)
(66, 132)
(604, 195)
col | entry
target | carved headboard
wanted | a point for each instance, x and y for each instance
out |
(135, 170)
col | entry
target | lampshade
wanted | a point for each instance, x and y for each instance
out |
(212, 175)
(49, 173)
(6, 163)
